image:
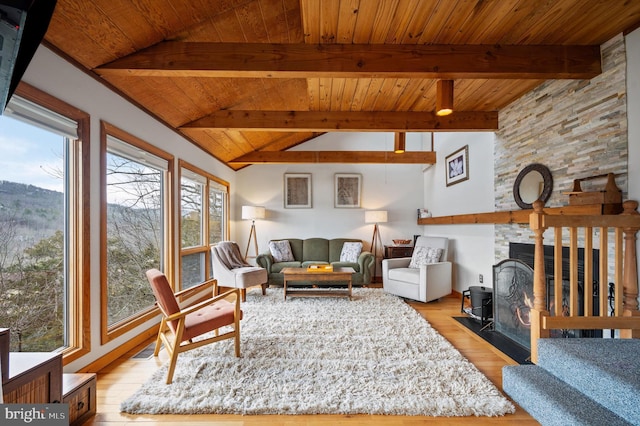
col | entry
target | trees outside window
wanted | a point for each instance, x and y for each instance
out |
(192, 200)
(204, 221)
(136, 231)
(43, 261)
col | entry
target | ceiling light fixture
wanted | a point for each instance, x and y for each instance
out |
(399, 145)
(444, 97)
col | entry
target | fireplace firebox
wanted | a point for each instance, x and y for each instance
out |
(525, 252)
(513, 291)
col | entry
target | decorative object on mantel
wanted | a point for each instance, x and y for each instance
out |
(611, 196)
(533, 183)
(423, 213)
(399, 242)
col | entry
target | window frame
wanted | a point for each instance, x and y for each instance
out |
(110, 332)
(205, 248)
(78, 282)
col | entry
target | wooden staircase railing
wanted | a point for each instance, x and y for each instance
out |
(626, 317)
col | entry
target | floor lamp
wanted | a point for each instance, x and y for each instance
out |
(252, 213)
(375, 217)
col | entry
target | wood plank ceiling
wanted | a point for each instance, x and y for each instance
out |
(247, 79)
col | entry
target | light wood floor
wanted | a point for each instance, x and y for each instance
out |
(123, 377)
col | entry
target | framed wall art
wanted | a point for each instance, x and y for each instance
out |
(297, 190)
(457, 166)
(347, 190)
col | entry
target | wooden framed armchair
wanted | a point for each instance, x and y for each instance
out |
(185, 324)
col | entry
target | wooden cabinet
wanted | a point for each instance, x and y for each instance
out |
(34, 378)
(391, 252)
(80, 393)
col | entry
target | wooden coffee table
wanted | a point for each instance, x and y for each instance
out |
(319, 277)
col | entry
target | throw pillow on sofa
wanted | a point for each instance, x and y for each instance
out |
(281, 251)
(425, 255)
(350, 252)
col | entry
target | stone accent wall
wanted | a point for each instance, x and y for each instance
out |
(577, 128)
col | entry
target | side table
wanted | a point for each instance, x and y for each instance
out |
(392, 252)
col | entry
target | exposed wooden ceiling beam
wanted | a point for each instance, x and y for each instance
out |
(264, 60)
(372, 157)
(345, 121)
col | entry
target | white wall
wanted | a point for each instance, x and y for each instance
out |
(471, 246)
(395, 188)
(633, 113)
(53, 75)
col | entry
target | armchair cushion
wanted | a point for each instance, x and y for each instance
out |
(408, 275)
(281, 251)
(350, 252)
(208, 318)
(425, 255)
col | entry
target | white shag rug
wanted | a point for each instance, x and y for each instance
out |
(372, 355)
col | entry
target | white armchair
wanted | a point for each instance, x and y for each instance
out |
(425, 283)
(231, 270)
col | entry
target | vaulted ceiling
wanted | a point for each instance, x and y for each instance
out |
(247, 79)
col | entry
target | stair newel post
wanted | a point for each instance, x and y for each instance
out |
(630, 271)
(537, 225)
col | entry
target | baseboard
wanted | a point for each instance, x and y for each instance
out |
(140, 341)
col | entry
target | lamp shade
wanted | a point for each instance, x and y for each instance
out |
(253, 212)
(375, 216)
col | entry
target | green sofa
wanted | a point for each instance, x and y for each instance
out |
(317, 251)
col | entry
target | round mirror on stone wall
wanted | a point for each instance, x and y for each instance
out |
(533, 183)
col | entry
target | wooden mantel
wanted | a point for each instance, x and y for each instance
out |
(517, 216)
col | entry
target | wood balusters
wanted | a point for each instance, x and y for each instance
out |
(630, 274)
(626, 315)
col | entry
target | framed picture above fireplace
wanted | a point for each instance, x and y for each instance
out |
(457, 166)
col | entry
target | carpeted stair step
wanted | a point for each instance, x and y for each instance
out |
(551, 401)
(605, 370)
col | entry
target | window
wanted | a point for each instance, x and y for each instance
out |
(43, 245)
(136, 230)
(203, 221)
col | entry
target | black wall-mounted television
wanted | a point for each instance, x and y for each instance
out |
(23, 24)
